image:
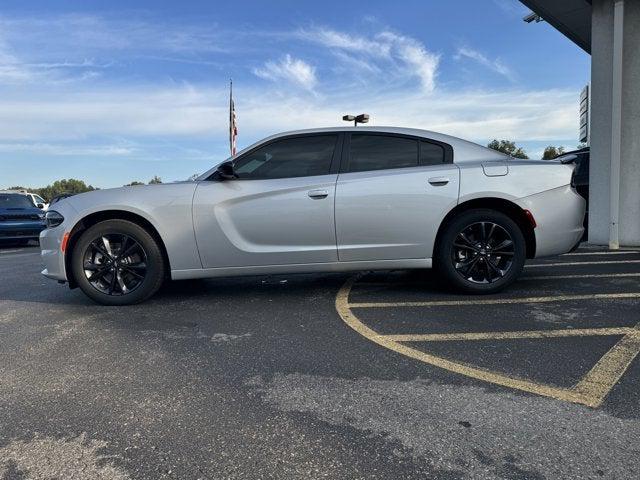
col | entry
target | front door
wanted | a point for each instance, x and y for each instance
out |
(392, 194)
(280, 209)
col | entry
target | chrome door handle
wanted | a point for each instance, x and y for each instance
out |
(318, 194)
(438, 181)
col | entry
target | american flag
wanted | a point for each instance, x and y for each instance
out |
(233, 127)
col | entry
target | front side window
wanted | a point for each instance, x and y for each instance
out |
(378, 152)
(291, 157)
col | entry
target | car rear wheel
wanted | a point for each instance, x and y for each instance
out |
(117, 262)
(480, 251)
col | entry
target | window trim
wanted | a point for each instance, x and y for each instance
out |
(333, 166)
(346, 150)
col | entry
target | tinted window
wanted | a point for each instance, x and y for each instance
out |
(293, 157)
(14, 200)
(377, 152)
(431, 154)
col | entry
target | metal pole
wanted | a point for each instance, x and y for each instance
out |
(616, 126)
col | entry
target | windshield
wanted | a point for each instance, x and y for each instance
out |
(14, 200)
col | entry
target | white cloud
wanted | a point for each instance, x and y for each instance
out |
(62, 149)
(79, 32)
(495, 65)
(393, 56)
(15, 71)
(344, 41)
(421, 62)
(291, 70)
(199, 113)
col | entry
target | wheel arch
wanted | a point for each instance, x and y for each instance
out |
(512, 210)
(96, 217)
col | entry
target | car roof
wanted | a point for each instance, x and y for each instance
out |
(15, 192)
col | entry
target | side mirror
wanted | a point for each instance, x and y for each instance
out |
(226, 171)
(40, 205)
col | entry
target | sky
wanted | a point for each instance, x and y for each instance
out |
(115, 91)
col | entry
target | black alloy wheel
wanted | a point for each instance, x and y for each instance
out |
(480, 251)
(115, 264)
(118, 262)
(483, 252)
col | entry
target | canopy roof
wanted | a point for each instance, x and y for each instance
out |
(570, 17)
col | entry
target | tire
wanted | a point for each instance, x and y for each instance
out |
(471, 264)
(126, 268)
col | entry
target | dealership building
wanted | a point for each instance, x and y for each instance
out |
(610, 31)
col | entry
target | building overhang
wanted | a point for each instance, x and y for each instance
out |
(570, 17)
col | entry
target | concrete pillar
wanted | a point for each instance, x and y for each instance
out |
(609, 136)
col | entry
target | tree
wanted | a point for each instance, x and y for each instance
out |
(552, 152)
(69, 185)
(508, 147)
(135, 182)
(156, 179)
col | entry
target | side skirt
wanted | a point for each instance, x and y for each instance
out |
(404, 264)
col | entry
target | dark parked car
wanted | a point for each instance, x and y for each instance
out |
(580, 176)
(20, 220)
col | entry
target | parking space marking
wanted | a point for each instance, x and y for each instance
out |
(591, 390)
(616, 252)
(576, 276)
(568, 332)
(610, 368)
(572, 264)
(496, 301)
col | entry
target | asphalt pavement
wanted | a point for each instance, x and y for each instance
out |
(376, 375)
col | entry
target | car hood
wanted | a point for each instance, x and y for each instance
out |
(133, 198)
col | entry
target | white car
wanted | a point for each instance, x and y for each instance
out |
(334, 199)
(38, 201)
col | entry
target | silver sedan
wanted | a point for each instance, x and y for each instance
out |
(322, 200)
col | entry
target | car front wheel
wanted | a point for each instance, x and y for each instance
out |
(117, 262)
(480, 251)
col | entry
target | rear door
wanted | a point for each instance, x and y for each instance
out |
(279, 211)
(392, 193)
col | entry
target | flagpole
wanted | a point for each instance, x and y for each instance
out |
(231, 116)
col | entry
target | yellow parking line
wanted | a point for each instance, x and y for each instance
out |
(615, 252)
(524, 277)
(569, 332)
(591, 390)
(342, 306)
(497, 301)
(597, 384)
(571, 264)
(586, 275)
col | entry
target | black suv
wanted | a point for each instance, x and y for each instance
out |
(580, 179)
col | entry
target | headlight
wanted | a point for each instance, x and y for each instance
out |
(53, 218)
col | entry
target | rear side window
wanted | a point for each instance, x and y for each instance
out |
(379, 152)
(431, 154)
(287, 158)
